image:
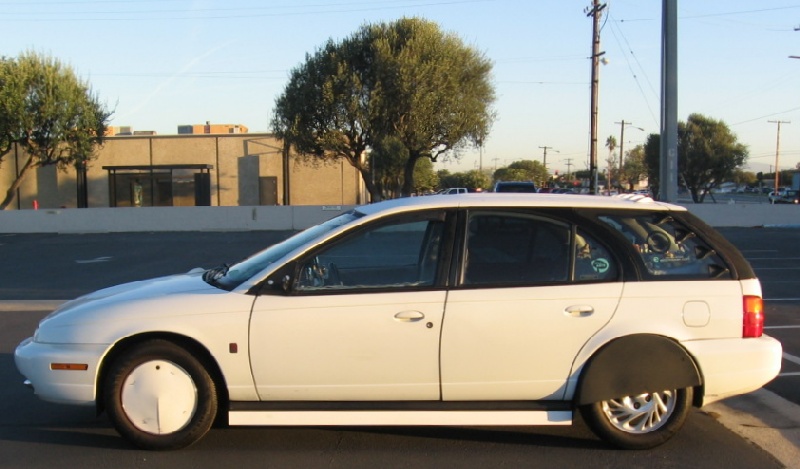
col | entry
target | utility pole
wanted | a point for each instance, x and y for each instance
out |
(777, 153)
(544, 159)
(595, 11)
(569, 169)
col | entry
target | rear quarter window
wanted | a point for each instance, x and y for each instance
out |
(667, 248)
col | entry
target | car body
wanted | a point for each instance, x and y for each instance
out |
(515, 186)
(785, 196)
(482, 309)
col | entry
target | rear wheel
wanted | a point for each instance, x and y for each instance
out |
(160, 397)
(641, 421)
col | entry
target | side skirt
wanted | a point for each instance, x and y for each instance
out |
(397, 414)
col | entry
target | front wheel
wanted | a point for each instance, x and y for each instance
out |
(160, 397)
(639, 422)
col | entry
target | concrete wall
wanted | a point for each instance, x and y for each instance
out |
(132, 219)
(294, 218)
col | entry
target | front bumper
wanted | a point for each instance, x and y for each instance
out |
(34, 361)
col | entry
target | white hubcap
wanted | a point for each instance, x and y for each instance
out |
(159, 397)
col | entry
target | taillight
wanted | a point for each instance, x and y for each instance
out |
(753, 323)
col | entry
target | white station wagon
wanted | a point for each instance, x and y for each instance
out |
(477, 309)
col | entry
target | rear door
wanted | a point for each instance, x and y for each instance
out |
(531, 291)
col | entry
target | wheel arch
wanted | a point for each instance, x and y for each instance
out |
(651, 363)
(198, 350)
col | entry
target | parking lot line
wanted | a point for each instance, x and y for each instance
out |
(791, 358)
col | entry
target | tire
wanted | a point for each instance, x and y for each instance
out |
(639, 422)
(159, 397)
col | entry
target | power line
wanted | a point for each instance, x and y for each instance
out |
(235, 13)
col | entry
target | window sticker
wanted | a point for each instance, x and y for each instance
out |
(600, 265)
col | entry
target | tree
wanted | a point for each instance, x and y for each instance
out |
(52, 115)
(611, 162)
(437, 91)
(744, 178)
(425, 179)
(386, 160)
(473, 179)
(325, 109)
(708, 154)
(405, 80)
(523, 170)
(652, 150)
(634, 168)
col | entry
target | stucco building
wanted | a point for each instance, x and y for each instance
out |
(192, 169)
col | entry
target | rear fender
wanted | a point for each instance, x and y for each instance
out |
(634, 365)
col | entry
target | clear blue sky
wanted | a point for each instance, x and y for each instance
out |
(164, 63)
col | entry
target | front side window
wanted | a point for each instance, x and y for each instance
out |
(399, 255)
(668, 248)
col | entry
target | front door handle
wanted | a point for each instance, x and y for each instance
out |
(579, 310)
(409, 316)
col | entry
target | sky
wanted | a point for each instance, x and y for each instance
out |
(159, 64)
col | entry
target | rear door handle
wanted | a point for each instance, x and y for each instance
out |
(579, 310)
(409, 316)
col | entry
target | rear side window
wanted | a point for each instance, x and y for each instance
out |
(518, 249)
(667, 248)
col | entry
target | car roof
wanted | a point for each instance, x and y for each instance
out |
(517, 200)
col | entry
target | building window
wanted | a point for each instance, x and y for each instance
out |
(159, 185)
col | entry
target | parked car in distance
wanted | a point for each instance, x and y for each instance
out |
(786, 196)
(514, 186)
(472, 310)
(453, 190)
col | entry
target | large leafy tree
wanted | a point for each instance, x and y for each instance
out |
(325, 109)
(436, 91)
(51, 114)
(405, 80)
(708, 154)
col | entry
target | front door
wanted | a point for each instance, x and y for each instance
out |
(362, 320)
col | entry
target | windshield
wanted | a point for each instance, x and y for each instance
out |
(233, 276)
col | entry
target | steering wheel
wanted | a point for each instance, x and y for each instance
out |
(659, 242)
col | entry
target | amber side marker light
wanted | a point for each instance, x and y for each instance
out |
(69, 366)
(753, 321)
